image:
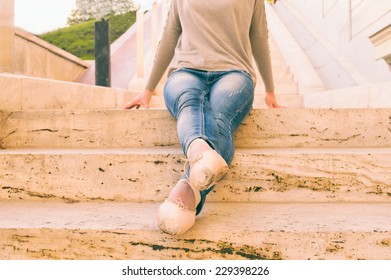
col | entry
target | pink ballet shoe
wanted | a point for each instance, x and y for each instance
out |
(208, 169)
(174, 218)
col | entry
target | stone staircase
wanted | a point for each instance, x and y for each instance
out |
(82, 179)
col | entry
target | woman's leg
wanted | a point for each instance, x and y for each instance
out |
(189, 95)
(211, 106)
(186, 95)
(231, 98)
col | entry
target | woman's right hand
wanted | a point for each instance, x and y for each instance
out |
(142, 99)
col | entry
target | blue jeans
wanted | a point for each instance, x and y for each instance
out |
(209, 105)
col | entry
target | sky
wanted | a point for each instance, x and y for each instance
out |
(40, 16)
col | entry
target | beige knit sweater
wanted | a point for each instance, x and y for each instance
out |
(214, 35)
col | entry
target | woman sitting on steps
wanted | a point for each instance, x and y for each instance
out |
(209, 48)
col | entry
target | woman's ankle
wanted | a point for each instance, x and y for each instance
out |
(197, 147)
(185, 194)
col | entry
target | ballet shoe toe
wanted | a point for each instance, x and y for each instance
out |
(174, 218)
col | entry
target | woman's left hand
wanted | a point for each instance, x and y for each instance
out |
(142, 99)
(271, 100)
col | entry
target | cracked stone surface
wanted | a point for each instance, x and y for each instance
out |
(156, 128)
(258, 176)
(246, 231)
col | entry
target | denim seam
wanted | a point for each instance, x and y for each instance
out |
(245, 104)
(202, 112)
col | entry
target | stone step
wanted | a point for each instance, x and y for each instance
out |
(26, 93)
(156, 128)
(279, 66)
(279, 88)
(3, 116)
(139, 175)
(292, 231)
(287, 100)
(280, 77)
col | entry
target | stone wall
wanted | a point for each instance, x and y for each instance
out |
(37, 58)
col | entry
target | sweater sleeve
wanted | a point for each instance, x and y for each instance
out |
(166, 49)
(260, 44)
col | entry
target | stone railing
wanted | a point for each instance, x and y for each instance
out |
(343, 30)
(37, 58)
(382, 42)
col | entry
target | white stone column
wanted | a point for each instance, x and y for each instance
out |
(154, 26)
(6, 35)
(140, 43)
